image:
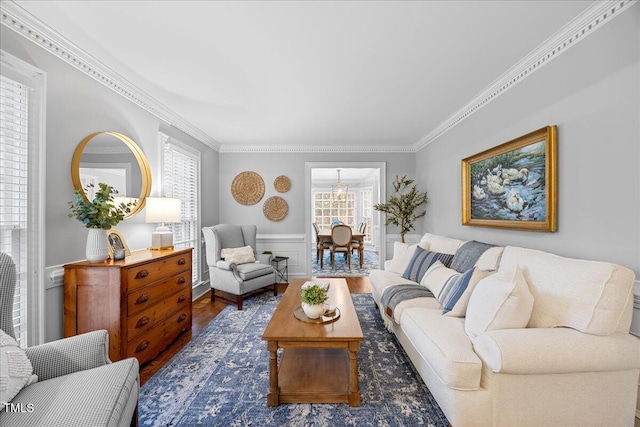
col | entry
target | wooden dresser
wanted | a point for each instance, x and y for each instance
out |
(143, 301)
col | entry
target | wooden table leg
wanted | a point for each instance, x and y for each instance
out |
(354, 388)
(273, 395)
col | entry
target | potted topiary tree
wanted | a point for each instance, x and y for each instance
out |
(98, 215)
(401, 208)
(313, 298)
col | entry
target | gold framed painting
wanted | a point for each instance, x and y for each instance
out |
(513, 185)
(118, 248)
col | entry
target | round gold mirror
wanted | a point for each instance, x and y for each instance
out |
(114, 159)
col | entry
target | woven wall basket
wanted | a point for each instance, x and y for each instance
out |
(275, 208)
(247, 188)
(282, 184)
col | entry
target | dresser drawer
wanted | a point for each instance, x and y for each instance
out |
(148, 345)
(178, 322)
(145, 274)
(147, 319)
(146, 297)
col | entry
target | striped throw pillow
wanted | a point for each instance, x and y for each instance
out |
(421, 261)
(453, 290)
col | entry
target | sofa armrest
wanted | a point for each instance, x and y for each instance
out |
(224, 265)
(555, 351)
(387, 263)
(68, 355)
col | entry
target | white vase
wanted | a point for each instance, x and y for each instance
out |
(313, 311)
(97, 249)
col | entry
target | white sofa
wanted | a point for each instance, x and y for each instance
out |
(574, 364)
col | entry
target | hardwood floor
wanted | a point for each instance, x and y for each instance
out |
(204, 311)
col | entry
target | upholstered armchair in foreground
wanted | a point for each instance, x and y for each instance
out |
(77, 385)
(231, 256)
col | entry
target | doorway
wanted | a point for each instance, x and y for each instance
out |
(367, 186)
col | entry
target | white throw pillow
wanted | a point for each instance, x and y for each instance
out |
(241, 255)
(436, 277)
(501, 301)
(402, 254)
(16, 371)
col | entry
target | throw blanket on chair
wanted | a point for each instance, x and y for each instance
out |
(394, 295)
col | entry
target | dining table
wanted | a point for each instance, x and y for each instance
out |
(359, 237)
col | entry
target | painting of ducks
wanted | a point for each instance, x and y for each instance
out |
(513, 185)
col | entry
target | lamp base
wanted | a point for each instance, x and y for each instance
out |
(161, 239)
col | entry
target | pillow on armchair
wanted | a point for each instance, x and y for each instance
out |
(241, 255)
(16, 371)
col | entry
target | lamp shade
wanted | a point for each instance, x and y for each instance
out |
(163, 209)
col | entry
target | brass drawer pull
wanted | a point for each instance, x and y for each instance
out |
(142, 274)
(182, 261)
(142, 299)
(181, 318)
(144, 344)
(182, 298)
(142, 322)
(181, 281)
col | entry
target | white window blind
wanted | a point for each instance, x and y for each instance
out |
(22, 165)
(181, 180)
(14, 203)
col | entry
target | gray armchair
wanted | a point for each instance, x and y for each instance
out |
(77, 384)
(241, 280)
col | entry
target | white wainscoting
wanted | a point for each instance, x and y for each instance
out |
(293, 246)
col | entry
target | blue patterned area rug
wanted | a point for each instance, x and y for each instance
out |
(371, 261)
(221, 378)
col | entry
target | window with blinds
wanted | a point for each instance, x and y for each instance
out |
(181, 180)
(14, 203)
(21, 199)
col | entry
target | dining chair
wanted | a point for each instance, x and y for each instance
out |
(321, 246)
(341, 242)
(358, 244)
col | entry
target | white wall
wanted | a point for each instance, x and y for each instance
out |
(77, 105)
(592, 93)
(293, 240)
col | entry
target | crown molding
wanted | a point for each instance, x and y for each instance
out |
(571, 34)
(22, 22)
(229, 148)
(17, 19)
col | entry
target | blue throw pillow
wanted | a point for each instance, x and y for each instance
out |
(453, 290)
(421, 261)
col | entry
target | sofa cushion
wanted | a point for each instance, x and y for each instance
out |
(588, 296)
(402, 254)
(490, 259)
(501, 301)
(443, 342)
(435, 243)
(94, 397)
(16, 371)
(252, 270)
(421, 261)
(241, 255)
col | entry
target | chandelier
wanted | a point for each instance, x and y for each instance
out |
(338, 190)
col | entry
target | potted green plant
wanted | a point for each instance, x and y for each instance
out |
(313, 298)
(401, 208)
(98, 215)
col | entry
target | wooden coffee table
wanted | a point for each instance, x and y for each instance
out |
(319, 362)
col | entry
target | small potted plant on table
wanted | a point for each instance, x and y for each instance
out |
(313, 298)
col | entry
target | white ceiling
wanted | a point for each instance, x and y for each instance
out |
(303, 73)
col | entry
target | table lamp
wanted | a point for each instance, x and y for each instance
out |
(162, 210)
